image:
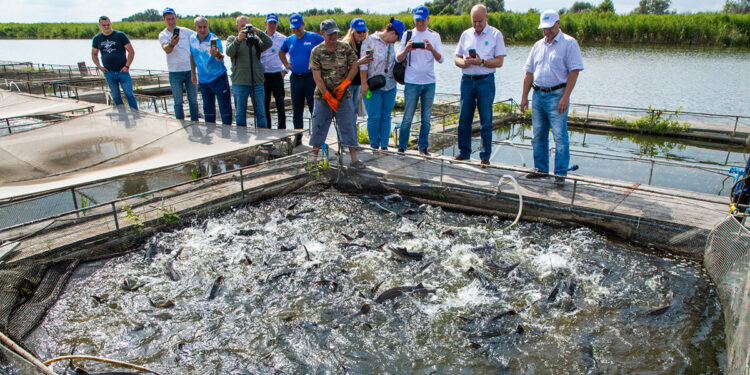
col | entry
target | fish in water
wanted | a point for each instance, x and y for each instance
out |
(282, 273)
(131, 285)
(298, 215)
(659, 311)
(347, 237)
(284, 248)
(247, 232)
(166, 305)
(402, 253)
(332, 283)
(482, 279)
(292, 206)
(553, 294)
(173, 275)
(393, 198)
(376, 287)
(492, 326)
(179, 252)
(307, 253)
(448, 232)
(99, 299)
(401, 290)
(150, 251)
(215, 288)
(492, 266)
(424, 267)
(365, 309)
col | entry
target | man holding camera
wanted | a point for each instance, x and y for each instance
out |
(207, 56)
(247, 72)
(480, 51)
(422, 50)
(299, 46)
(117, 55)
(274, 71)
(552, 70)
(175, 42)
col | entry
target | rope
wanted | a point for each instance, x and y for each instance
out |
(98, 359)
(520, 197)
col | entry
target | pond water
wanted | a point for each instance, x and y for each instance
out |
(711, 80)
(303, 284)
(642, 159)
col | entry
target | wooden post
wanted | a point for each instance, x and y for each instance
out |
(736, 120)
(651, 172)
(573, 197)
(114, 214)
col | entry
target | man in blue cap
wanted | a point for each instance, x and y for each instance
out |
(552, 71)
(274, 71)
(177, 47)
(206, 51)
(422, 49)
(299, 46)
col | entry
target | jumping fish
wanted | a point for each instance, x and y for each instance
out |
(99, 299)
(402, 253)
(424, 267)
(400, 291)
(166, 305)
(282, 273)
(362, 310)
(553, 295)
(347, 237)
(130, 285)
(492, 266)
(179, 252)
(284, 248)
(292, 206)
(298, 215)
(482, 279)
(659, 311)
(307, 253)
(150, 251)
(376, 287)
(215, 288)
(173, 275)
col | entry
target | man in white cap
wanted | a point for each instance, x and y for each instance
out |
(274, 71)
(422, 49)
(552, 71)
(175, 42)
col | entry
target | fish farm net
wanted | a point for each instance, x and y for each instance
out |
(727, 260)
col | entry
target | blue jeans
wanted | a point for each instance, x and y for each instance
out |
(412, 94)
(302, 90)
(379, 107)
(211, 91)
(479, 93)
(176, 82)
(356, 94)
(544, 117)
(117, 79)
(241, 92)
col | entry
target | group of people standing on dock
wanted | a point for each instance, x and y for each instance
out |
(331, 76)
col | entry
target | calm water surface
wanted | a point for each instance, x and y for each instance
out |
(293, 287)
(712, 80)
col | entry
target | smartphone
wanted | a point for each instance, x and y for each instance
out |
(369, 52)
(213, 43)
(473, 53)
(417, 45)
(176, 31)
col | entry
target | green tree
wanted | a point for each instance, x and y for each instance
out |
(737, 6)
(462, 6)
(653, 7)
(145, 16)
(606, 6)
(581, 6)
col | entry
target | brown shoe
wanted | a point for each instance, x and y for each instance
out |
(485, 163)
(460, 158)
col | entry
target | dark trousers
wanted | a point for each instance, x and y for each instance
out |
(302, 89)
(275, 86)
(211, 91)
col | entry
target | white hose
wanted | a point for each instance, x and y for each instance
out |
(520, 196)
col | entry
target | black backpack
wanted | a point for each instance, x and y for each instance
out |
(399, 69)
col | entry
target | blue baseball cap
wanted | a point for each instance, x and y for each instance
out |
(168, 10)
(399, 27)
(272, 17)
(295, 21)
(358, 24)
(421, 13)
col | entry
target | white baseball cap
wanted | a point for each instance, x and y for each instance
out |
(548, 19)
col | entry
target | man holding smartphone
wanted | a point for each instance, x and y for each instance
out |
(274, 71)
(206, 54)
(175, 42)
(479, 53)
(247, 72)
(422, 50)
(552, 70)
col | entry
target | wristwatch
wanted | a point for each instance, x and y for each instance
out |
(481, 63)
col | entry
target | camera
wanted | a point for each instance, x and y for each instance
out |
(473, 53)
(176, 31)
(249, 29)
(417, 45)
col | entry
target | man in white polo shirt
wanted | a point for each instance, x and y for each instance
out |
(181, 71)
(274, 71)
(480, 51)
(421, 51)
(552, 70)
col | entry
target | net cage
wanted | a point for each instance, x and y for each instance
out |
(727, 261)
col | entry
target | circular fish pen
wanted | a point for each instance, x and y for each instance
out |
(320, 281)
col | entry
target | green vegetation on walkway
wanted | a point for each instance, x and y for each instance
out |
(701, 29)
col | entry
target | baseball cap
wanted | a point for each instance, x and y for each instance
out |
(399, 27)
(548, 18)
(168, 10)
(329, 27)
(272, 17)
(295, 21)
(358, 24)
(421, 13)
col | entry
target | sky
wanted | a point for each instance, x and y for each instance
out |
(89, 10)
